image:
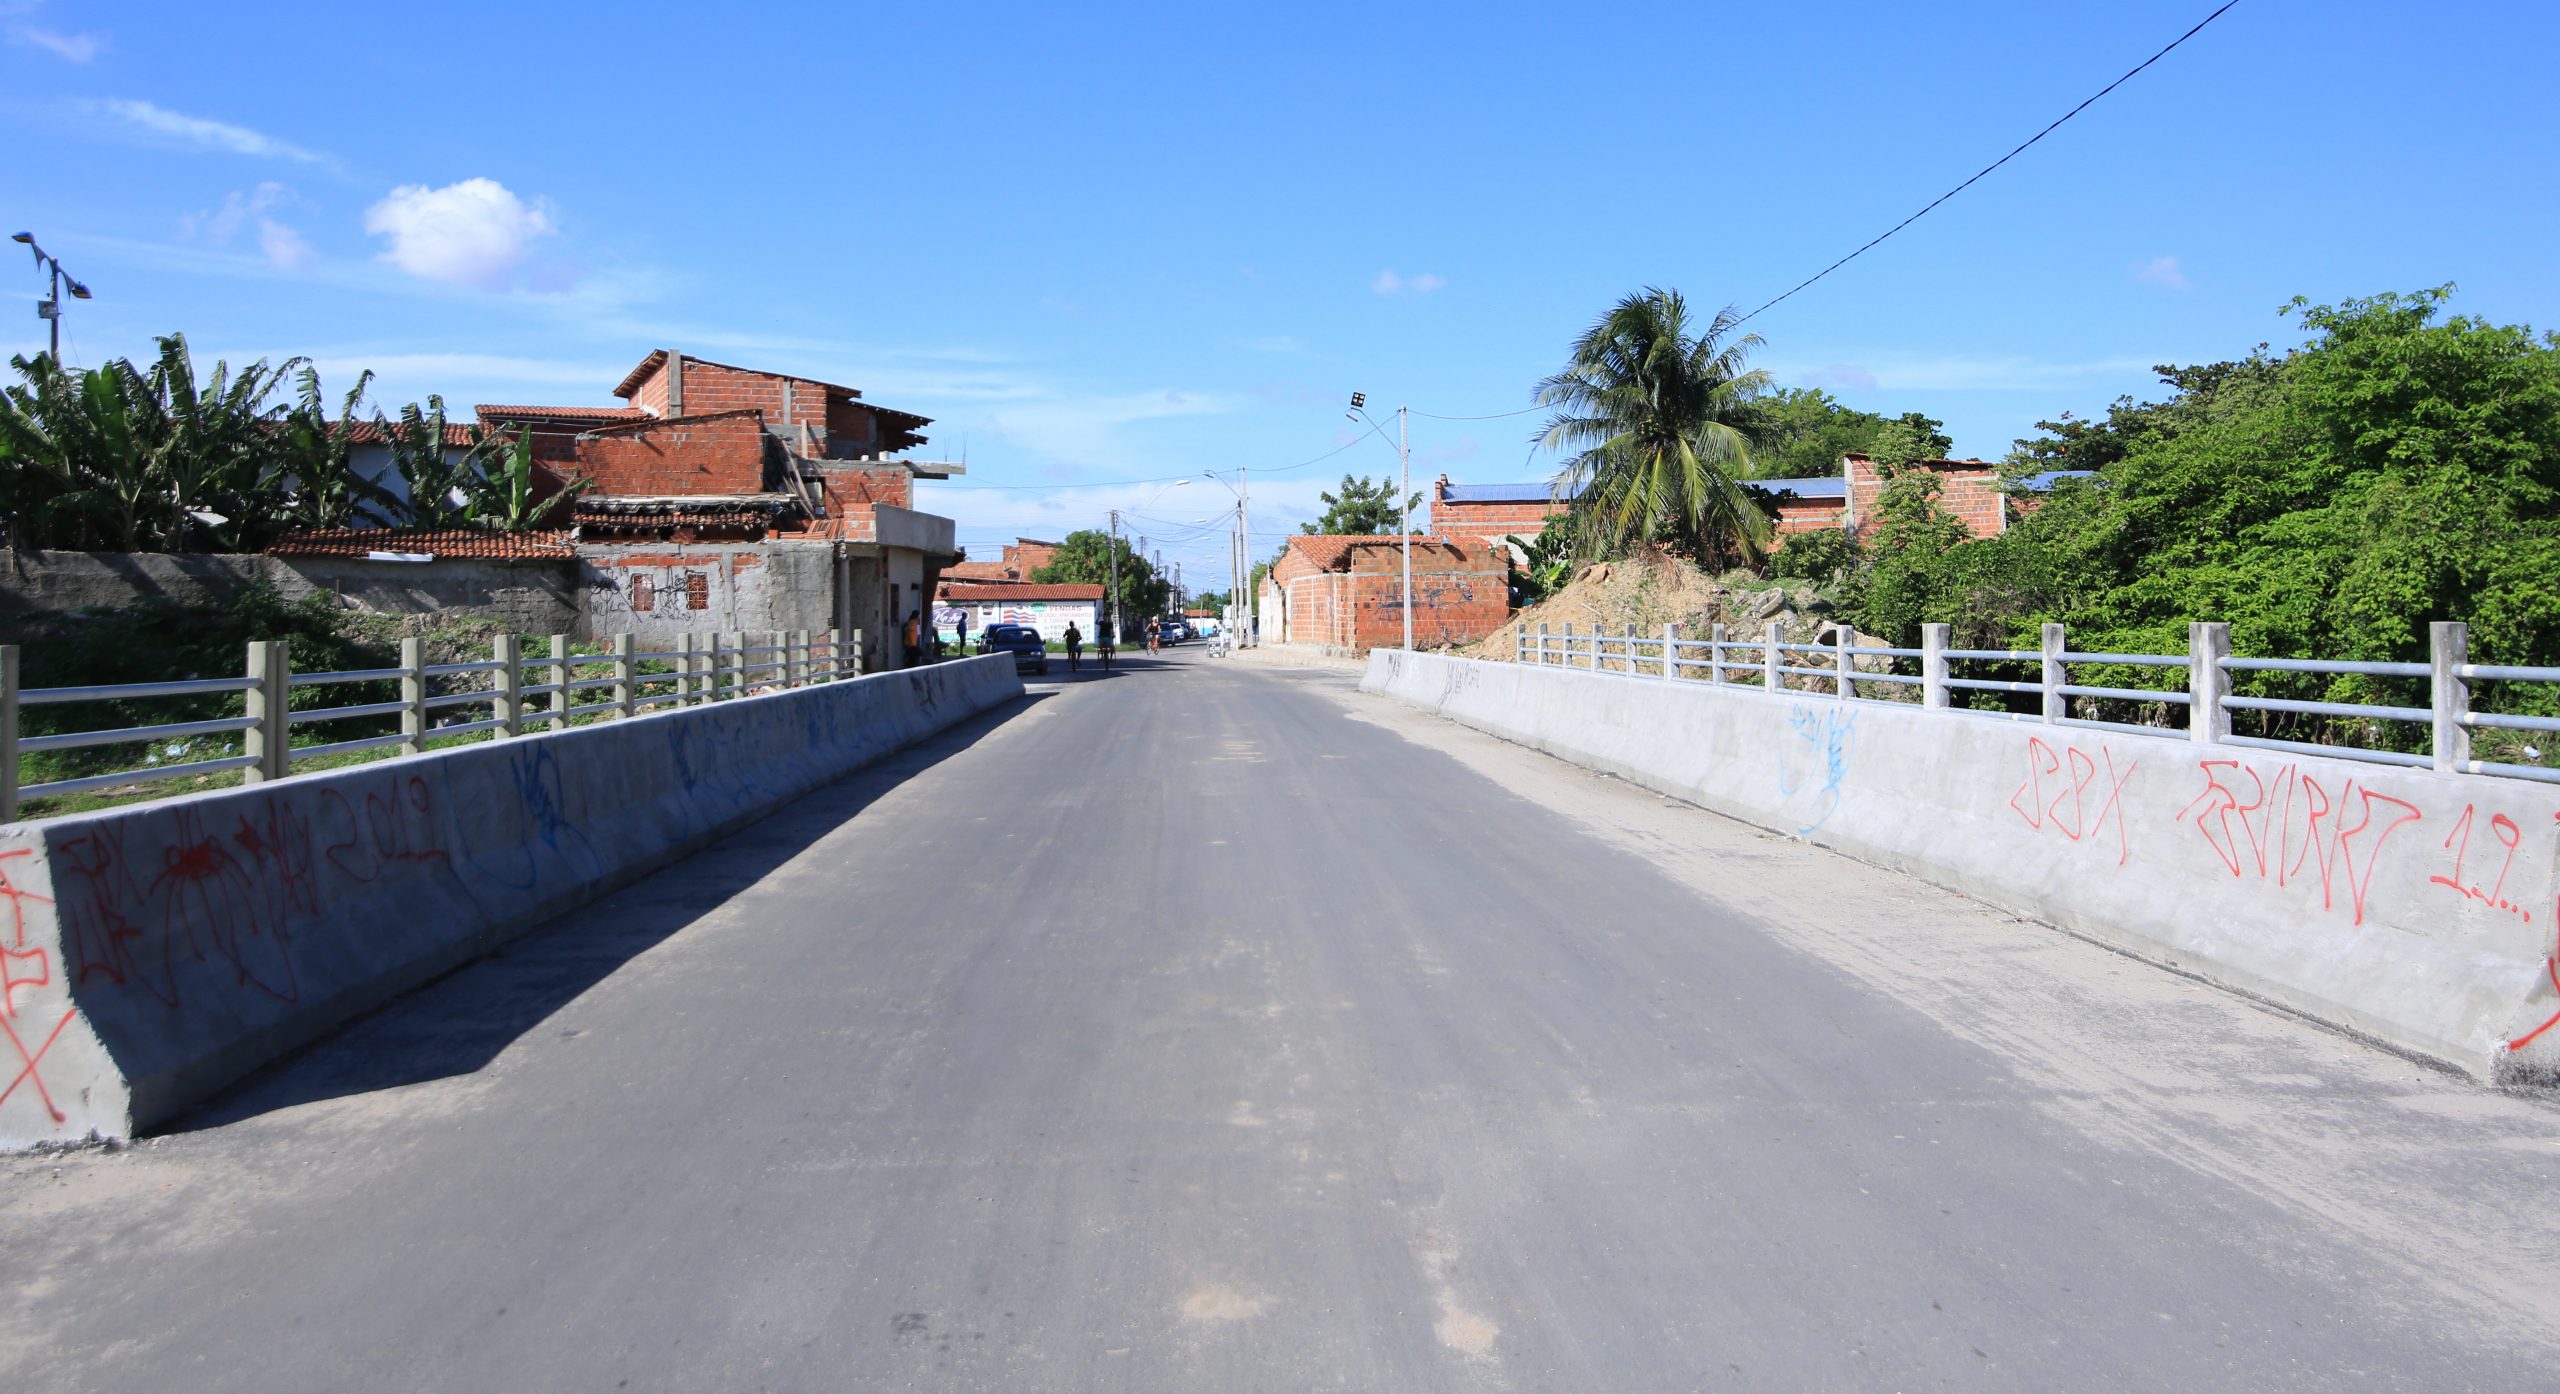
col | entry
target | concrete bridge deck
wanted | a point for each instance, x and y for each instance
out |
(1212, 1027)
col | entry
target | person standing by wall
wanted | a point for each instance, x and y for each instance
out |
(913, 638)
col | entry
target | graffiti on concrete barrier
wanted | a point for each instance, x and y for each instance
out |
(2074, 793)
(2504, 834)
(2550, 972)
(2291, 829)
(1813, 760)
(25, 966)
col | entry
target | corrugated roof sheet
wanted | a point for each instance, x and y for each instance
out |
(2043, 483)
(1819, 487)
(549, 544)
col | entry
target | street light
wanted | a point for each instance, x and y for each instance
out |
(49, 309)
(1243, 559)
(1404, 500)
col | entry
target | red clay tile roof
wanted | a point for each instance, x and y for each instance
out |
(1025, 592)
(456, 434)
(471, 543)
(493, 415)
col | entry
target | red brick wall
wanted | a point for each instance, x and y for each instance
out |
(723, 455)
(1456, 600)
(847, 485)
(1966, 488)
(851, 428)
(1486, 524)
(709, 387)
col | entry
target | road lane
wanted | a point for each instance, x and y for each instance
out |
(1177, 1030)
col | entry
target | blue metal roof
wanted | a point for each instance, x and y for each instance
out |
(1821, 487)
(2043, 483)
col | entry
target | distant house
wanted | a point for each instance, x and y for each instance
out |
(1022, 557)
(1348, 592)
(722, 499)
(1484, 514)
(1046, 608)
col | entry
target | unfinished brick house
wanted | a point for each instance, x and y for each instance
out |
(1022, 556)
(1484, 514)
(728, 499)
(1348, 593)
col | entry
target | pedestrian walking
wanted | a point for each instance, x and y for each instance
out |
(1155, 633)
(1075, 645)
(1102, 641)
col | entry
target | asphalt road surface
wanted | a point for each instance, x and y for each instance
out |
(1211, 1027)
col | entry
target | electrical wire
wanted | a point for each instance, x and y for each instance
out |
(1995, 164)
(1497, 416)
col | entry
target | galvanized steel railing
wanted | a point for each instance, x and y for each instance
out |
(524, 693)
(2205, 695)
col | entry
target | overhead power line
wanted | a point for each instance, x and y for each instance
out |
(1995, 164)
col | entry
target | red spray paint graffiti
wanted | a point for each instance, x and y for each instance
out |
(21, 966)
(2509, 836)
(2087, 794)
(2551, 970)
(2293, 823)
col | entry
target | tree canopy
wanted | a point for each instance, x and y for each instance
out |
(1801, 433)
(1085, 558)
(1656, 413)
(1361, 507)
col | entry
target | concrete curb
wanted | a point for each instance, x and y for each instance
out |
(2411, 907)
(160, 952)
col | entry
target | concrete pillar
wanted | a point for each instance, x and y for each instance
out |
(625, 689)
(2448, 649)
(1670, 652)
(506, 707)
(1542, 644)
(560, 676)
(1770, 654)
(1567, 637)
(413, 693)
(1842, 638)
(684, 670)
(2056, 706)
(1933, 665)
(270, 706)
(2207, 683)
(1715, 655)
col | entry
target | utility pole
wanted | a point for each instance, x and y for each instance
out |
(1244, 530)
(49, 309)
(1112, 609)
(1404, 500)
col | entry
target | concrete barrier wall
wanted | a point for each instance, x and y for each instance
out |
(156, 953)
(2415, 908)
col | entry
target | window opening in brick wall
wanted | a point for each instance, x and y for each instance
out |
(697, 591)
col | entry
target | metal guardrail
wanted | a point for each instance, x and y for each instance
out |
(712, 668)
(2206, 696)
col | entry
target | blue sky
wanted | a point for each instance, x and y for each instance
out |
(1109, 243)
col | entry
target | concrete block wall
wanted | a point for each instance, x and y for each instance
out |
(155, 954)
(2415, 908)
(659, 591)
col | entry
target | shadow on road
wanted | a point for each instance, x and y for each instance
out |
(458, 1023)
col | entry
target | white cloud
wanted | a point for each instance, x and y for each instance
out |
(73, 48)
(2163, 272)
(282, 246)
(1389, 283)
(161, 124)
(468, 234)
(1085, 430)
(1274, 343)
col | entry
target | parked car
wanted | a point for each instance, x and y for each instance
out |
(1176, 632)
(1030, 652)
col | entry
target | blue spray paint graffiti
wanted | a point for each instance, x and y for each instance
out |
(1813, 760)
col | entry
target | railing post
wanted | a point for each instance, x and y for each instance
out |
(1595, 648)
(560, 671)
(684, 670)
(269, 742)
(626, 687)
(9, 732)
(1542, 645)
(799, 657)
(507, 707)
(848, 653)
(1933, 665)
(413, 693)
(1842, 641)
(1567, 636)
(1769, 654)
(2448, 648)
(2051, 681)
(1670, 651)
(1715, 655)
(2207, 684)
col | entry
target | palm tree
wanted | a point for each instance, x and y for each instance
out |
(1657, 420)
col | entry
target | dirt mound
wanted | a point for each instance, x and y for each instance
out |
(1642, 593)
